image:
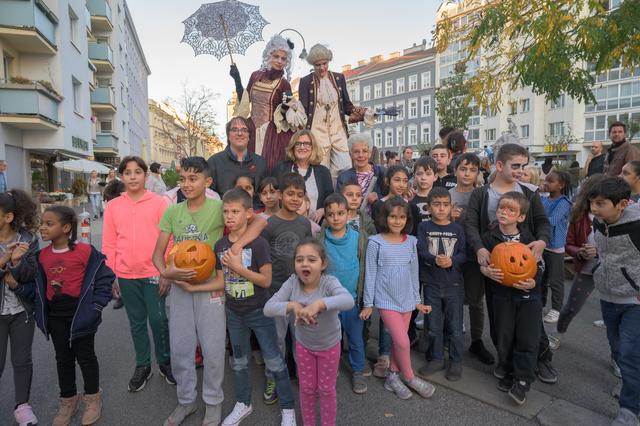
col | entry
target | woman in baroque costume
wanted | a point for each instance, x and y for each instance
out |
(325, 99)
(268, 101)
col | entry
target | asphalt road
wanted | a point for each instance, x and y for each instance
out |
(582, 360)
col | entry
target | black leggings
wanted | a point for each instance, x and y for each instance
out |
(17, 330)
(81, 350)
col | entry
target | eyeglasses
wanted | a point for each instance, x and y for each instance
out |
(239, 130)
(303, 144)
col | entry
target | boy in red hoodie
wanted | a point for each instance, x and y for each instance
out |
(129, 235)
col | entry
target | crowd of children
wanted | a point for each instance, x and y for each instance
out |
(293, 290)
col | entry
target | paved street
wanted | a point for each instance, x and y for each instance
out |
(582, 395)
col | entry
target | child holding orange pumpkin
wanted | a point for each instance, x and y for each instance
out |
(194, 307)
(517, 308)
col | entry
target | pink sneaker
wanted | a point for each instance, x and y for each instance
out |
(24, 415)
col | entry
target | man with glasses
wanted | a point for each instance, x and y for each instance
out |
(236, 160)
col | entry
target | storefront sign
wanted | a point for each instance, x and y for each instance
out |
(556, 147)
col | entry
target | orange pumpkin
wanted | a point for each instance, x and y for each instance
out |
(515, 260)
(195, 255)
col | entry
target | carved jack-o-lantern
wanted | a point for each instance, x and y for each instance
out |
(190, 254)
(515, 260)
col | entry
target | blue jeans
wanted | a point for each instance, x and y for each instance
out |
(353, 326)
(384, 340)
(240, 327)
(447, 302)
(623, 333)
(96, 202)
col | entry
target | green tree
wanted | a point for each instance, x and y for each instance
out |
(453, 99)
(544, 44)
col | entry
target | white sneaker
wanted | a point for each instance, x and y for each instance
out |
(239, 413)
(615, 369)
(554, 342)
(599, 324)
(551, 317)
(288, 417)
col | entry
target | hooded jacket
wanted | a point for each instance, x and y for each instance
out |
(130, 232)
(95, 294)
(617, 275)
(225, 168)
(477, 222)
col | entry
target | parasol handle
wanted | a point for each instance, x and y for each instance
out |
(226, 38)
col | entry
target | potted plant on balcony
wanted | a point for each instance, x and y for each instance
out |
(79, 190)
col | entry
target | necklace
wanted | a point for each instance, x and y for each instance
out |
(307, 175)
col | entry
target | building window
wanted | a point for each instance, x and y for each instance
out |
(400, 135)
(473, 138)
(388, 118)
(524, 131)
(426, 106)
(352, 94)
(400, 85)
(7, 60)
(413, 82)
(77, 95)
(413, 135)
(73, 28)
(366, 93)
(490, 135)
(388, 88)
(388, 137)
(377, 91)
(513, 108)
(426, 133)
(556, 129)
(558, 103)
(425, 79)
(377, 108)
(106, 127)
(400, 105)
(378, 138)
(524, 105)
(413, 108)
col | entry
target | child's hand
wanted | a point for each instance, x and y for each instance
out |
(589, 251)
(10, 281)
(115, 289)
(178, 274)
(425, 309)
(492, 272)
(6, 257)
(18, 252)
(164, 286)
(443, 261)
(365, 313)
(310, 313)
(189, 288)
(373, 196)
(456, 212)
(484, 257)
(294, 308)
(525, 285)
(233, 261)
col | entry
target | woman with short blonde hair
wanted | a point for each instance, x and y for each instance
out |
(303, 157)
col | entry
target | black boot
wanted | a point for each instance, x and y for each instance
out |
(477, 348)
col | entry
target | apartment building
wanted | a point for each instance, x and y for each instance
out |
(405, 80)
(57, 97)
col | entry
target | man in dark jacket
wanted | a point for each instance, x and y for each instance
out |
(236, 160)
(481, 211)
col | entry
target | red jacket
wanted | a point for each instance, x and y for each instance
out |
(576, 236)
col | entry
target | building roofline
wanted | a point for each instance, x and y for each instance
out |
(129, 18)
(391, 64)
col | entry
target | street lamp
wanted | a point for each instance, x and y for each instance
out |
(303, 54)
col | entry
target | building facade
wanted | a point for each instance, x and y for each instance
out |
(55, 87)
(406, 81)
(541, 123)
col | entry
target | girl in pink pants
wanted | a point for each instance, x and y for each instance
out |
(391, 285)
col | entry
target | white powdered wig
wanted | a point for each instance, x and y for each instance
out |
(277, 42)
(319, 52)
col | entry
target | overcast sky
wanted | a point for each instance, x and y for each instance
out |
(354, 30)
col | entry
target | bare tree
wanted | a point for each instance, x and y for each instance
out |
(194, 115)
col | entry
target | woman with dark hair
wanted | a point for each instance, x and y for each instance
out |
(303, 158)
(392, 158)
(457, 145)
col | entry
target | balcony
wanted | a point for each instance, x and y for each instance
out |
(106, 143)
(102, 56)
(28, 26)
(87, 22)
(101, 19)
(28, 106)
(103, 100)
